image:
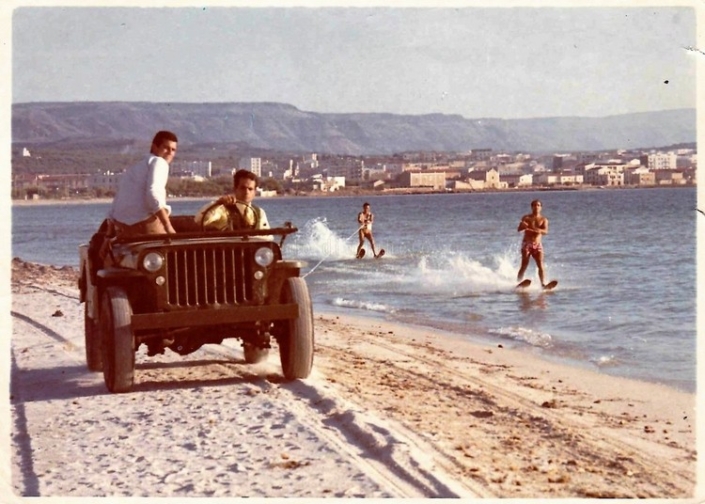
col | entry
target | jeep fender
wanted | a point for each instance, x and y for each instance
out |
(280, 273)
(115, 277)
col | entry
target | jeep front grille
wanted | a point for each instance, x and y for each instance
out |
(220, 276)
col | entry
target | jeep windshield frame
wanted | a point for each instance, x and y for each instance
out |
(240, 233)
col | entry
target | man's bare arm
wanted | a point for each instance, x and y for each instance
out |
(163, 216)
(541, 229)
(523, 225)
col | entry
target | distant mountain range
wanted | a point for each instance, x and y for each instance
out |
(282, 127)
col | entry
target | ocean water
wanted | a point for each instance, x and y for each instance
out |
(625, 260)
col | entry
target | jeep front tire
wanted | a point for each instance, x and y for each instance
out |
(118, 340)
(296, 342)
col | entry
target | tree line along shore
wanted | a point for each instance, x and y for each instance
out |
(344, 192)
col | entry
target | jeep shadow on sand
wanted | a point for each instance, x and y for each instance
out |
(184, 290)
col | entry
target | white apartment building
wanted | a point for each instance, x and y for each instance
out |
(253, 164)
(196, 168)
(663, 161)
(551, 179)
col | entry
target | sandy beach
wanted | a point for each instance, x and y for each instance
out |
(390, 411)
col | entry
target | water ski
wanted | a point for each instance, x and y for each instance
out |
(381, 254)
(360, 254)
(523, 284)
(550, 285)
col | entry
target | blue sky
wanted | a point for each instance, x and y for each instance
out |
(507, 62)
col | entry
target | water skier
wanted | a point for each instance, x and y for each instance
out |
(365, 219)
(534, 226)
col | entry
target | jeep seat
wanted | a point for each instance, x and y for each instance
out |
(184, 224)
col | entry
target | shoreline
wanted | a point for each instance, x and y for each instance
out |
(357, 194)
(453, 342)
(529, 351)
(533, 353)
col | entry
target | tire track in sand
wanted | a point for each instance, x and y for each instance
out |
(393, 458)
(388, 453)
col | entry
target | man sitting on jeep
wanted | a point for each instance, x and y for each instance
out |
(241, 213)
(139, 206)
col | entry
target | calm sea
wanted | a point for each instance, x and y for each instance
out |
(625, 261)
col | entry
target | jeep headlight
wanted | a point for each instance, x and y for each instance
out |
(153, 262)
(264, 256)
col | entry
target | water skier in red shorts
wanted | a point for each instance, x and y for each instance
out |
(534, 225)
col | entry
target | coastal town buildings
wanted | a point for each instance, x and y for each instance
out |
(435, 180)
(476, 170)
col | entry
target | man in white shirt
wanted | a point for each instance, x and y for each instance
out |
(139, 206)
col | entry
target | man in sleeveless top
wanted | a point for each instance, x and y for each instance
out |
(534, 225)
(365, 219)
(243, 214)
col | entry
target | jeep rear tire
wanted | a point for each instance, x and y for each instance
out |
(296, 342)
(118, 340)
(92, 337)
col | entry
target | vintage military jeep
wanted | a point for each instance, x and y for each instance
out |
(185, 290)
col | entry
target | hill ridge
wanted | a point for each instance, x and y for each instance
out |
(284, 127)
